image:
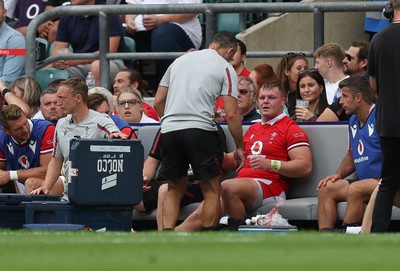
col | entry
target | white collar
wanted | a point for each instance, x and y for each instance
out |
(272, 122)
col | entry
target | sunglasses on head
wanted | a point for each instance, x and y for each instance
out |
(307, 71)
(292, 55)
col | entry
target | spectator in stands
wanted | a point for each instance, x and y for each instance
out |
(363, 157)
(25, 11)
(164, 32)
(28, 89)
(266, 170)
(48, 29)
(247, 100)
(354, 63)
(25, 148)
(329, 63)
(80, 122)
(8, 97)
(10, 5)
(129, 102)
(311, 88)
(262, 74)
(82, 34)
(239, 58)
(129, 107)
(100, 103)
(238, 64)
(12, 53)
(132, 78)
(189, 134)
(383, 63)
(49, 110)
(287, 72)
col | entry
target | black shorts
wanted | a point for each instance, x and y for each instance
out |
(202, 149)
(192, 194)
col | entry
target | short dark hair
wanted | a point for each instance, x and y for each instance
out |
(47, 91)
(358, 84)
(363, 49)
(225, 39)
(10, 112)
(242, 46)
(270, 85)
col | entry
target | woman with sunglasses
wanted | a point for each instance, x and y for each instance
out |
(287, 71)
(311, 88)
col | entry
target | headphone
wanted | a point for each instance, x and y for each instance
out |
(388, 10)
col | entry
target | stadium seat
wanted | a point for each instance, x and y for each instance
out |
(42, 49)
(46, 76)
(130, 43)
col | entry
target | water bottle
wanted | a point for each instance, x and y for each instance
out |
(90, 81)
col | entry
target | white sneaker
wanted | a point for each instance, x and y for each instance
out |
(353, 230)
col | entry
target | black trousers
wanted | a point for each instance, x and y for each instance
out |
(390, 183)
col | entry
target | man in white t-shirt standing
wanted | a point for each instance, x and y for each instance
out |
(185, 100)
(81, 122)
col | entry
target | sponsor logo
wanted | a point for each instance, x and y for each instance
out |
(360, 147)
(108, 182)
(110, 165)
(361, 159)
(23, 161)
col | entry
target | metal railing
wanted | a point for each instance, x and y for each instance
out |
(318, 9)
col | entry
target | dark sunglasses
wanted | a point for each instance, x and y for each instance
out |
(243, 91)
(349, 57)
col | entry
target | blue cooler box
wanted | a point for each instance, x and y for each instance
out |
(12, 208)
(109, 218)
(105, 172)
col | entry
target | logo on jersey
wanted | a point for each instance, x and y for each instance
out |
(10, 148)
(23, 161)
(360, 150)
(360, 147)
(353, 130)
(256, 149)
(370, 129)
(32, 145)
(273, 135)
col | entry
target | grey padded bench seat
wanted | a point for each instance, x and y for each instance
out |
(328, 142)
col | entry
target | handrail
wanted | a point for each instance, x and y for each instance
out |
(318, 8)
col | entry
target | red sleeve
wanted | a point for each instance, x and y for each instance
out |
(47, 140)
(150, 111)
(129, 132)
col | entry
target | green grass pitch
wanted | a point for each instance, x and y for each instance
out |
(303, 250)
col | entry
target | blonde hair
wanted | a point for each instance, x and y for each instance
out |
(30, 89)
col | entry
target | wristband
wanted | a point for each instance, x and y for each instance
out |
(13, 175)
(275, 165)
(5, 91)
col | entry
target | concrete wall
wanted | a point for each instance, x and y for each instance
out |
(294, 32)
